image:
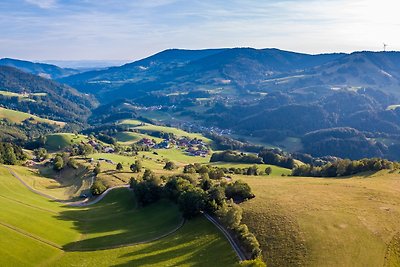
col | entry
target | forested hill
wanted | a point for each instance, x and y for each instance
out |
(189, 70)
(40, 69)
(43, 97)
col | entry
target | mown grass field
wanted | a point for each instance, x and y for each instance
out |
(327, 221)
(18, 117)
(36, 231)
(59, 141)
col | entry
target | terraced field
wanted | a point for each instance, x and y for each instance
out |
(326, 222)
(114, 232)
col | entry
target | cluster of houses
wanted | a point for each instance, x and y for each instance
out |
(194, 147)
(99, 147)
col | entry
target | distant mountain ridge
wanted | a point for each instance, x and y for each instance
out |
(177, 70)
(41, 69)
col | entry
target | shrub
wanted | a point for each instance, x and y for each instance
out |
(98, 188)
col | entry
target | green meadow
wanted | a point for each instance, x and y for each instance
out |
(36, 231)
(18, 117)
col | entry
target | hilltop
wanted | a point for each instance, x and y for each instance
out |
(41, 69)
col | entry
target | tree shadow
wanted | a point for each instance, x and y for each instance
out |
(193, 244)
(116, 221)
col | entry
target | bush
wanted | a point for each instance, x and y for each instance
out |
(170, 166)
(136, 167)
(238, 190)
(98, 188)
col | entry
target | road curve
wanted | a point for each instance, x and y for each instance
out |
(85, 202)
(231, 241)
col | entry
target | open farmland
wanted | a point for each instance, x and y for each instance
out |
(327, 222)
(68, 184)
(59, 141)
(41, 232)
(18, 117)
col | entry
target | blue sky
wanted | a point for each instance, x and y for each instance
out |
(132, 29)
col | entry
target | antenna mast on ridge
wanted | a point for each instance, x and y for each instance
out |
(384, 47)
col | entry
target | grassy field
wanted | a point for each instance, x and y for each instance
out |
(277, 171)
(146, 128)
(327, 222)
(127, 138)
(59, 141)
(68, 184)
(18, 117)
(36, 231)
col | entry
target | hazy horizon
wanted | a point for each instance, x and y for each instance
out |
(44, 30)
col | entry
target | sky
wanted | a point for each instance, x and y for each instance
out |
(133, 29)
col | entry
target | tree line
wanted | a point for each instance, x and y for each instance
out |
(345, 167)
(196, 195)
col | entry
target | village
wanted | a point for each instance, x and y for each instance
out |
(193, 147)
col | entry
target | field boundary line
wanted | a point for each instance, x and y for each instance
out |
(231, 241)
(135, 243)
(82, 203)
(32, 236)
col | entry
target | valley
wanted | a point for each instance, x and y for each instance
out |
(295, 156)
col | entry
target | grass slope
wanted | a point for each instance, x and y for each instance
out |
(326, 222)
(37, 231)
(18, 117)
(68, 184)
(59, 141)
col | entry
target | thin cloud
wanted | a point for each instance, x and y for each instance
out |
(45, 4)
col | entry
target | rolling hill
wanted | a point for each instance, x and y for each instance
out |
(47, 98)
(174, 70)
(41, 69)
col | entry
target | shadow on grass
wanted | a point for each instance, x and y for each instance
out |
(115, 221)
(196, 244)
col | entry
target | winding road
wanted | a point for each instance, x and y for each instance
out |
(87, 202)
(231, 241)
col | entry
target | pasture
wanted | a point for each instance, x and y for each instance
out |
(37, 231)
(326, 221)
(18, 117)
(68, 184)
(59, 141)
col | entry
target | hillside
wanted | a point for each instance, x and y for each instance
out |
(41, 69)
(174, 70)
(326, 222)
(43, 97)
(38, 231)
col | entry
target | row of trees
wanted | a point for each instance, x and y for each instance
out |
(344, 167)
(195, 196)
(232, 156)
(277, 157)
(219, 172)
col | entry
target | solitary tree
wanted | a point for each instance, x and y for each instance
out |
(97, 169)
(137, 166)
(268, 170)
(119, 166)
(58, 163)
(170, 166)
